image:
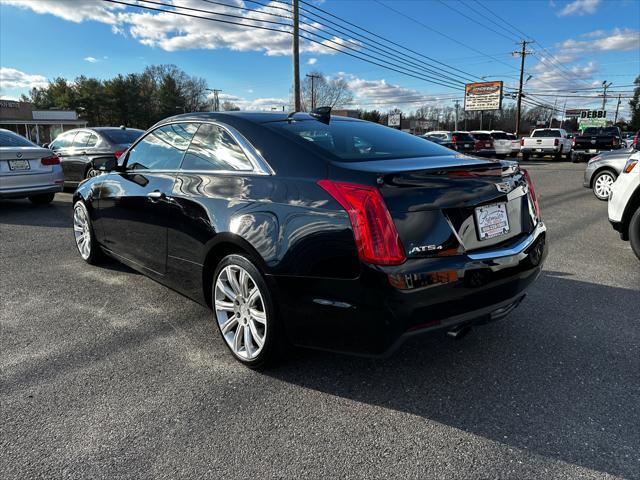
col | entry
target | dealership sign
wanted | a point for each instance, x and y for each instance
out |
(394, 120)
(482, 96)
(592, 118)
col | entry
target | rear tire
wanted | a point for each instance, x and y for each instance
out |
(244, 310)
(575, 158)
(42, 199)
(602, 184)
(525, 156)
(558, 155)
(84, 236)
(634, 233)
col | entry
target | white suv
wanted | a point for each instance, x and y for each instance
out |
(624, 203)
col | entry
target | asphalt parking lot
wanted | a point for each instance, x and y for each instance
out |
(107, 374)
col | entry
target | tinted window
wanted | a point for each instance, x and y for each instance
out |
(344, 139)
(213, 148)
(63, 140)
(602, 131)
(500, 136)
(511, 136)
(93, 141)
(463, 137)
(81, 139)
(10, 139)
(546, 133)
(481, 136)
(162, 149)
(119, 136)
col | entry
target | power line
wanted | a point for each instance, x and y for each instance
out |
(475, 20)
(372, 34)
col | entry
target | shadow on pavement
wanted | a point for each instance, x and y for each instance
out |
(541, 380)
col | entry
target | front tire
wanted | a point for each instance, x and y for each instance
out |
(244, 311)
(42, 199)
(84, 236)
(634, 233)
(602, 184)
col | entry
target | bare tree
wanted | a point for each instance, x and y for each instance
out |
(228, 106)
(327, 92)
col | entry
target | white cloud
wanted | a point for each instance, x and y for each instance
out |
(72, 10)
(312, 61)
(265, 104)
(9, 97)
(548, 75)
(13, 78)
(579, 7)
(616, 40)
(173, 32)
(91, 59)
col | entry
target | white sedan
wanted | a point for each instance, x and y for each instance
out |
(27, 170)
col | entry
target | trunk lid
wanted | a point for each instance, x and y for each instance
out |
(23, 160)
(444, 205)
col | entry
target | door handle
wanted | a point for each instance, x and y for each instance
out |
(156, 195)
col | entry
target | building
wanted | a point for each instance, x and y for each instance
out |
(39, 126)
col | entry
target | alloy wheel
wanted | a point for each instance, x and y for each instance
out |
(603, 185)
(240, 312)
(82, 230)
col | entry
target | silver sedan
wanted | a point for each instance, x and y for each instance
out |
(27, 170)
(602, 170)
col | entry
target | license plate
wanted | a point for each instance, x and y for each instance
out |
(19, 165)
(592, 150)
(466, 145)
(538, 149)
(492, 220)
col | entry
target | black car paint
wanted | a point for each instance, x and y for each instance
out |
(302, 239)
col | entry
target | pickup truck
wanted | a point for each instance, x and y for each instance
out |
(595, 140)
(546, 141)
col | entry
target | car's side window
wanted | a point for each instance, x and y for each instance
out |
(63, 141)
(163, 148)
(80, 140)
(213, 148)
(93, 141)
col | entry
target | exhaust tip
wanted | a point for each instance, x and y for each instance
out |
(459, 332)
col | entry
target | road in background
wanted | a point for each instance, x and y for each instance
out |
(105, 373)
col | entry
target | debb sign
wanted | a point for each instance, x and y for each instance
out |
(482, 96)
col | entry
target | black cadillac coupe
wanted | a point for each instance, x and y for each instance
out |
(317, 231)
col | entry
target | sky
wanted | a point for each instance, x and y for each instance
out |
(437, 46)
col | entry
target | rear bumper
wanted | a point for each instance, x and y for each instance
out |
(540, 150)
(375, 313)
(25, 185)
(28, 192)
(485, 153)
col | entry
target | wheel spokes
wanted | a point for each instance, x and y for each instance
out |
(259, 341)
(228, 325)
(258, 316)
(227, 291)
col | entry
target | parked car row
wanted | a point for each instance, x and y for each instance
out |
(481, 143)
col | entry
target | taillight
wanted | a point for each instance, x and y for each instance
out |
(454, 139)
(556, 142)
(635, 141)
(52, 160)
(118, 153)
(573, 142)
(375, 234)
(615, 141)
(532, 192)
(522, 142)
(477, 145)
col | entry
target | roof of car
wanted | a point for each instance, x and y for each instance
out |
(254, 117)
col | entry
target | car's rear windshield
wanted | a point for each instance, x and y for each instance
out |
(119, 136)
(358, 141)
(511, 136)
(481, 136)
(546, 133)
(499, 135)
(601, 131)
(10, 139)
(463, 136)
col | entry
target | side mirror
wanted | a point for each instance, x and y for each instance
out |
(106, 164)
(45, 145)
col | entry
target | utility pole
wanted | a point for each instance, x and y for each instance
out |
(615, 120)
(552, 112)
(313, 92)
(523, 53)
(457, 104)
(564, 112)
(296, 57)
(605, 86)
(216, 102)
